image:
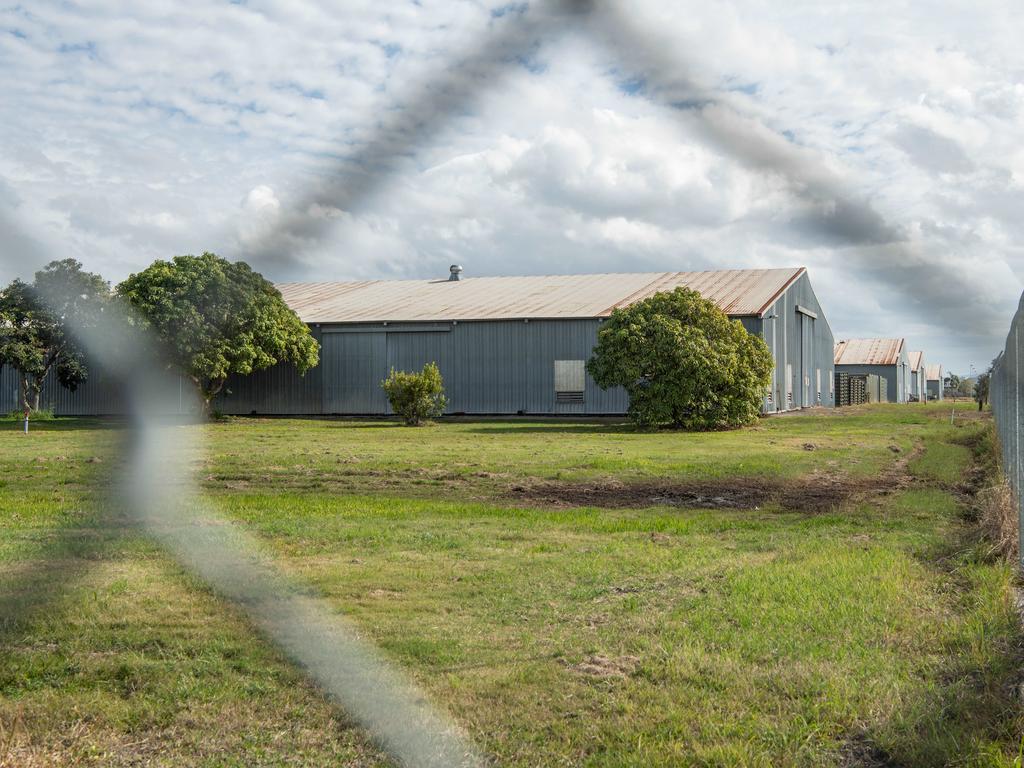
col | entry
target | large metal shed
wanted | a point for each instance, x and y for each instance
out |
(886, 358)
(519, 345)
(505, 345)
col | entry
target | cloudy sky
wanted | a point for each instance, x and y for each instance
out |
(878, 144)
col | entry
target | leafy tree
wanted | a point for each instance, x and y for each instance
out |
(683, 362)
(216, 317)
(416, 396)
(981, 389)
(36, 324)
(952, 381)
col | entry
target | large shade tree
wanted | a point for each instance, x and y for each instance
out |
(215, 318)
(683, 362)
(38, 321)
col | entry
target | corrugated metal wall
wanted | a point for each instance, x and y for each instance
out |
(98, 396)
(1006, 391)
(803, 350)
(917, 383)
(497, 367)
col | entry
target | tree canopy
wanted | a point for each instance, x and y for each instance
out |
(37, 321)
(215, 318)
(683, 362)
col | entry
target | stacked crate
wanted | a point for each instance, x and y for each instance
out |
(842, 389)
(858, 390)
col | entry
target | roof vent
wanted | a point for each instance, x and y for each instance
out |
(456, 272)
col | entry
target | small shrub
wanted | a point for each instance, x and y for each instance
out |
(416, 396)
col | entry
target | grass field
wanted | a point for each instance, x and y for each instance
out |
(807, 592)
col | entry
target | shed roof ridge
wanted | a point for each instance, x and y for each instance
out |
(738, 292)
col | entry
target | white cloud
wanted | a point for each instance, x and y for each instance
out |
(191, 126)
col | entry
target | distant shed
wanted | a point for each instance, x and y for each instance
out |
(933, 381)
(886, 358)
(918, 390)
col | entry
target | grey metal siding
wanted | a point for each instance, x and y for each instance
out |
(353, 365)
(279, 389)
(97, 396)
(917, 382)
(802, 347)
(488, 367)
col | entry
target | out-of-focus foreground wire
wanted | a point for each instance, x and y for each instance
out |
(156, 487)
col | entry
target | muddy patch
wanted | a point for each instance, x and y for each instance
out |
(638, 495)
(861, 752)
(818, 493)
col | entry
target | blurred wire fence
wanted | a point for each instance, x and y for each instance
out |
(1005, 396)
(158, 486)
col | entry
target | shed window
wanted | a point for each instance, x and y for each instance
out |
(570, 381)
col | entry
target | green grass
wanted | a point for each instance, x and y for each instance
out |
(562, 635)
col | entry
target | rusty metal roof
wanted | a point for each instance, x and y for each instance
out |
(915, 360)
(736, 292)
(868, 351)
(933, 372)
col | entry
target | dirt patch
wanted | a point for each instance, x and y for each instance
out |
(605, 667)
(861, 752)
(817, 493)
(384, 593)
(741, 495)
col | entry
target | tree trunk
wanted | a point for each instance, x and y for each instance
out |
(31, 389)
(209, 390)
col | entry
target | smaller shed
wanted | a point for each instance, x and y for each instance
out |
(885, 358)
(917, 377)
(933, 381)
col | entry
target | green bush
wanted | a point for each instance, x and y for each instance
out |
(416, 396)
(683, 362)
